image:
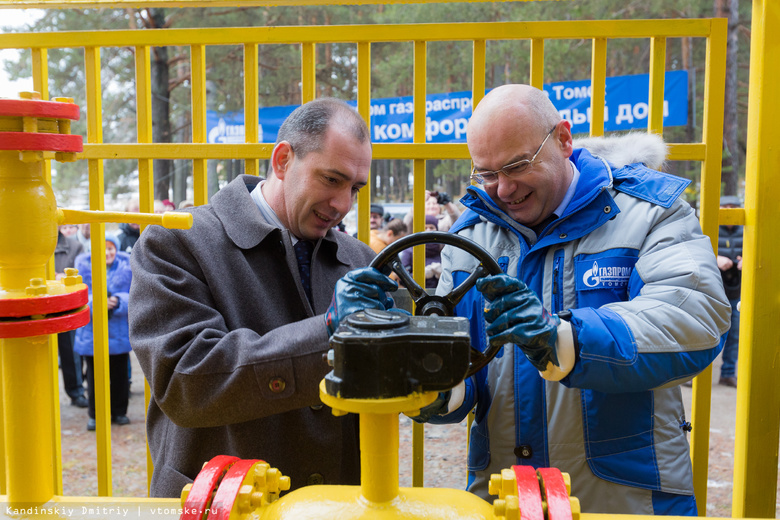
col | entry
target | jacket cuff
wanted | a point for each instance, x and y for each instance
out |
(456, 397)
(566, 354)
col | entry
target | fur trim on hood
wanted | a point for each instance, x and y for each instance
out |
(634, 147)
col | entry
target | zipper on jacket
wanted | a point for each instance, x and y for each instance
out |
(557, 282)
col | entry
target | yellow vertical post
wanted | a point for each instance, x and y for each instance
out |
(655, 109)
(537, 63)
(251, 113)
(598, 81)
(364, 107)
(418, 199)
(99, 290)
(199, 171)
(143, 102)
(308, 72)
(758, 392)
(712, 137)
(478, 73)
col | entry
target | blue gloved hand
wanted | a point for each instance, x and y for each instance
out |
(515, 315)
(358, 290)
(437, 407)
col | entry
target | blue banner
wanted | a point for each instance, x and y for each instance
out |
(446, 115)
(625, 102)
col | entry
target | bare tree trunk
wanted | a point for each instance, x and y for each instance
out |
(161, 121)
(730, 174)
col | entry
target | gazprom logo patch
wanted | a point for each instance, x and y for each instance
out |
(604, 273)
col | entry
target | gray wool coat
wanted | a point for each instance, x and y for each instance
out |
(232, 349)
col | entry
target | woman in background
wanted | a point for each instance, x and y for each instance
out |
(118, 276)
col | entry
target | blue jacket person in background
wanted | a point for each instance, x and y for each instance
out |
(611, 299)
(118, 277)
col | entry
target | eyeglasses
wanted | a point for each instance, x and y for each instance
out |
(513, 170)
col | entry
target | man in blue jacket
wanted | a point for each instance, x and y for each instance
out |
(611, 298)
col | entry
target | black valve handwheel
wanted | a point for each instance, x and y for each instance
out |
(430, 304)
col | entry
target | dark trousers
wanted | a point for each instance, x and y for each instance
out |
(731, 348)
(71, 371)
(120, 386)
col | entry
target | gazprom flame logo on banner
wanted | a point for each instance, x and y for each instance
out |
(607, 276)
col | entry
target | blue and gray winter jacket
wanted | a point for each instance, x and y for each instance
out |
(627, 257)
(118, 278)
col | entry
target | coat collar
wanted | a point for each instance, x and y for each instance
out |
(245, 225)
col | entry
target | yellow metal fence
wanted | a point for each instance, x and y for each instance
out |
(708, 151)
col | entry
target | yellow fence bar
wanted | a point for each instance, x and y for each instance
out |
(251, 114)
(374, 33)
(478, 72)
(102, 4)
(655, 119)
(364, 107)
(418, 224)
(755, 457)
(598, 78)
(99, 304)
(143, 102)
(199, 173)
(536, 75)
(714, 85)
(677, 151)
(308, 70)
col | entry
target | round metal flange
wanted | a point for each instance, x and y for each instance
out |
(201, 493)
(23, 306)
(39, 108)
(528, 493)
(555, 494)
(227, 493)
(26, 328)
(30, 141)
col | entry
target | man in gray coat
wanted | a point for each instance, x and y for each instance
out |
(220, 319)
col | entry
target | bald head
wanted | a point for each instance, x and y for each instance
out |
(516, 123)
(513, 107)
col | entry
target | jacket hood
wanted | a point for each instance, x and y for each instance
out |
(634, 147)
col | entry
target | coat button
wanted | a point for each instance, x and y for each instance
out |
(277, 385)
(607, 209)
(562, 235)
(523, 451)
(315, 479)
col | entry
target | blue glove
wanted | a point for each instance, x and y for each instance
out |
(437, 407)
(515, 315)
(356, 291)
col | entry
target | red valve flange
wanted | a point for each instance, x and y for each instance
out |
(201, 494)
(44, 325)
(43, 304)
(528, 493)
(227, 493)
(33, 140)
(39, 108)
(555, 494)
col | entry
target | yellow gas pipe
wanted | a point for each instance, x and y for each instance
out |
(28, 236)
